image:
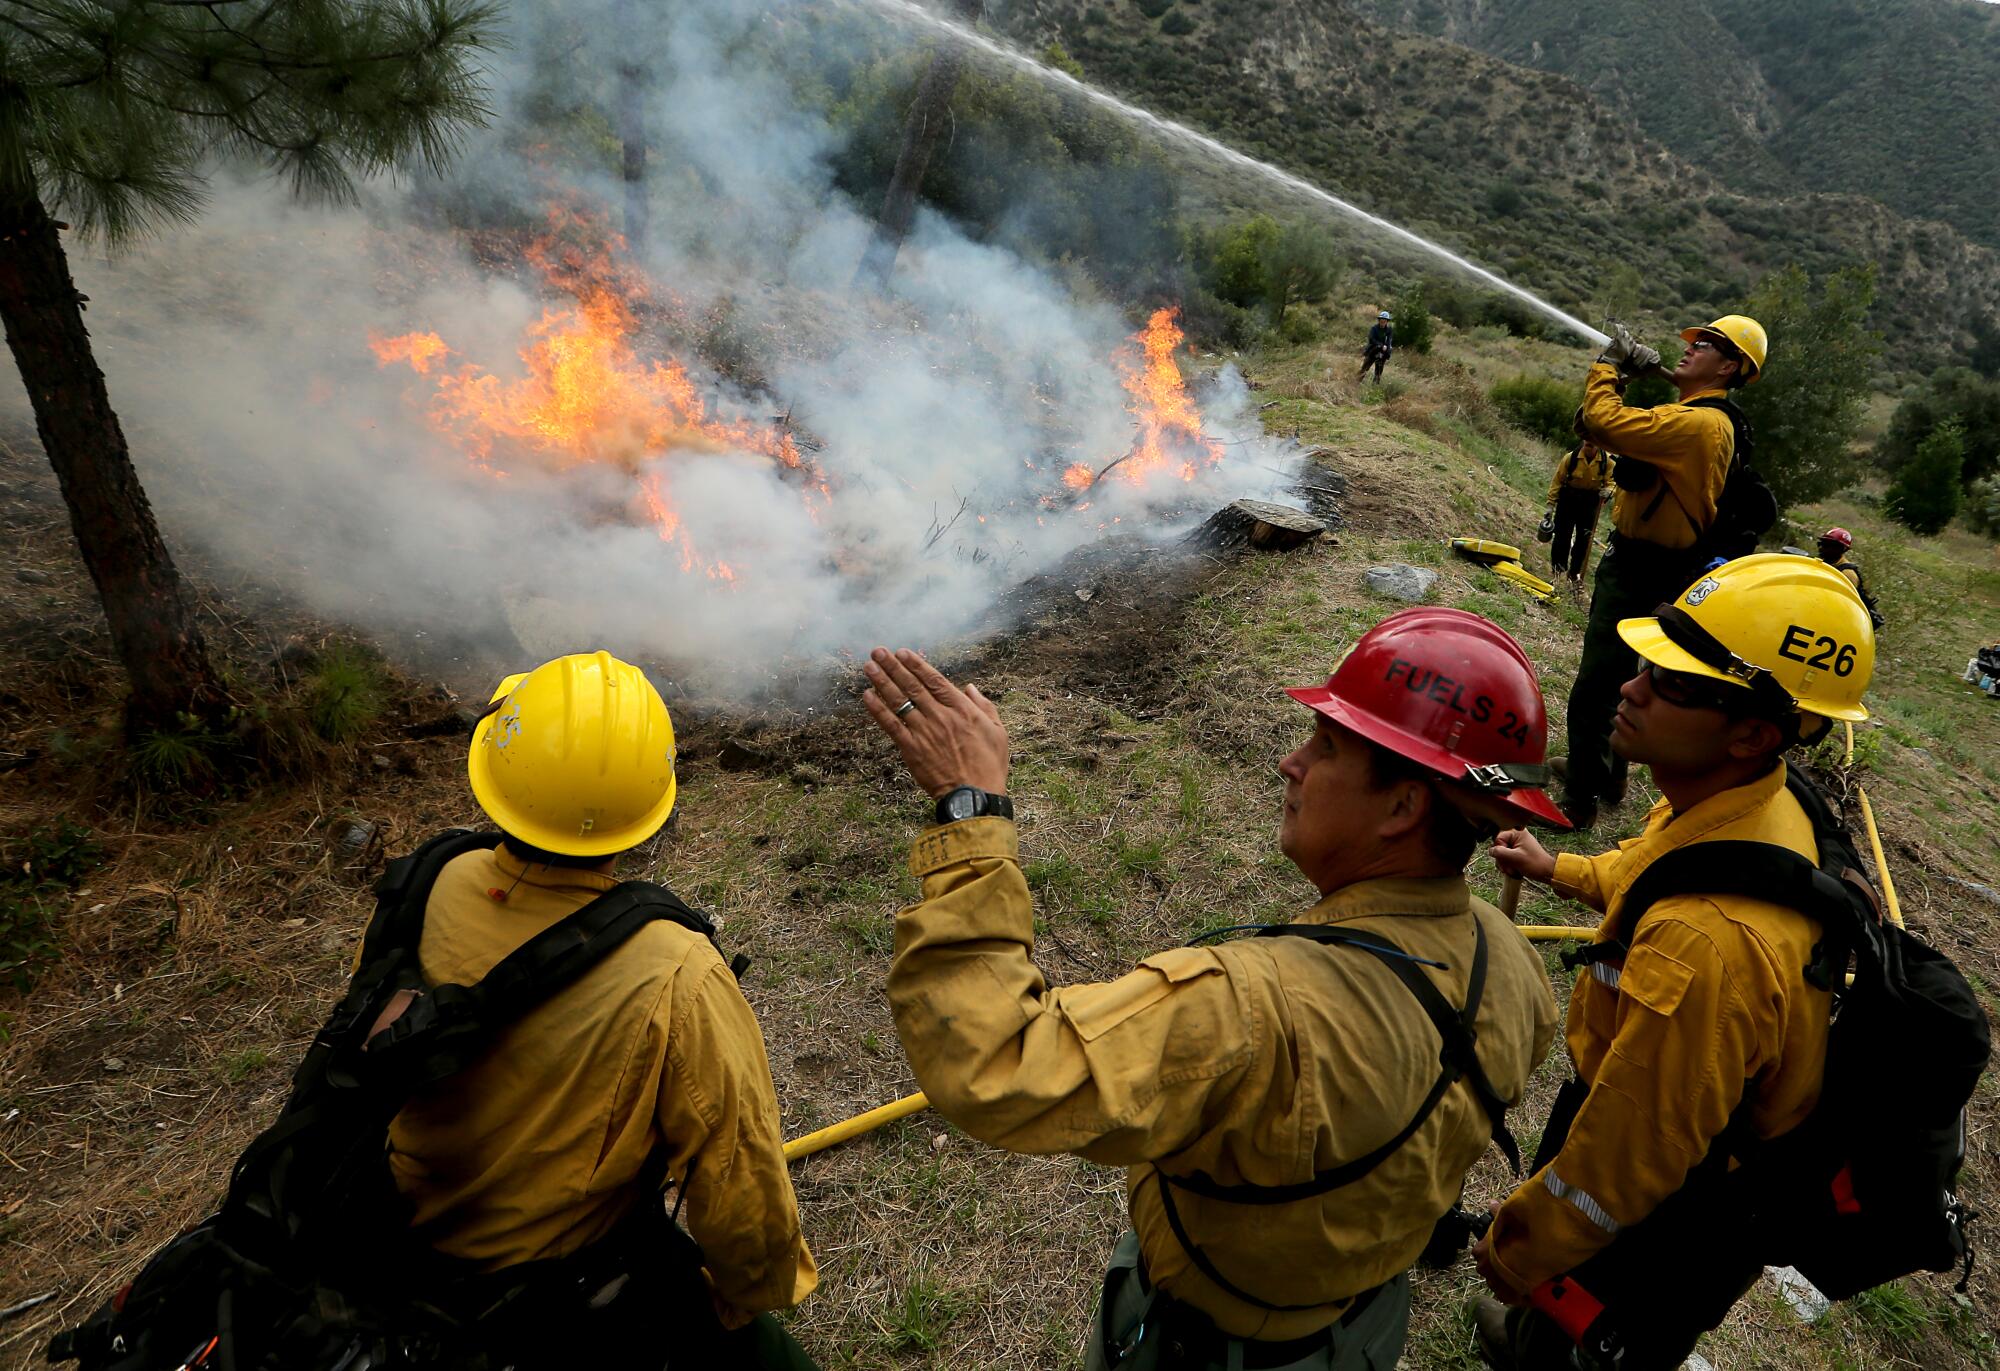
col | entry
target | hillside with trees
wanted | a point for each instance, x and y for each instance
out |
(1524, 170)
(1884, 99)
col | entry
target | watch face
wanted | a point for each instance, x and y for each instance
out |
(962, 804)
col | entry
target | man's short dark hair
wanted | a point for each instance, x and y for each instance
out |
(536, 856)
(1449, 834)
(1741, 376)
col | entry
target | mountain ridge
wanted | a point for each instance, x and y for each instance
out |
(1522, 170)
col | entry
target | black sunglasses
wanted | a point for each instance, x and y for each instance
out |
(1696, 692)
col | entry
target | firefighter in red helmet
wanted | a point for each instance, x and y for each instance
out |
(1295, 1113)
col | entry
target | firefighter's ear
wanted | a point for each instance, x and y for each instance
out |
(1753, 738)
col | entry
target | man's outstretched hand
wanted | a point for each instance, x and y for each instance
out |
(952, 738)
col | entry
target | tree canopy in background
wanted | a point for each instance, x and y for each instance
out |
(1806, 407)
(1927, 494)
(108, 112)
(1952, 394)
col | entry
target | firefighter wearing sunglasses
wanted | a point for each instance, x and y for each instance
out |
(1709, 1021)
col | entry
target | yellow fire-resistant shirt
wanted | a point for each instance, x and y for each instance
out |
(1711, 996)
(1260, 1061)
(1587, 468)
(1690, 447)
(536, 1150)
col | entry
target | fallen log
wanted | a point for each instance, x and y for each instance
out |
(1258, 524)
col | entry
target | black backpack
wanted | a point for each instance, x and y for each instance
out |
(311, 1262)
(1863, 1191)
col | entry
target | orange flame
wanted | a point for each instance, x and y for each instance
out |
(586, 394)
(1079, 477)
(418, 349)
(1170, 433)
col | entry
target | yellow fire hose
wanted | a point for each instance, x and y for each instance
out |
(821, 1139)
(1874, 840)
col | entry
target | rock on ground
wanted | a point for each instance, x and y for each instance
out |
(1400, 581)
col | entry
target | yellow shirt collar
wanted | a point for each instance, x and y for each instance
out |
(513, 870)
(1406, 895)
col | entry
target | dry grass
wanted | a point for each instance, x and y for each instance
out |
(1147, 723)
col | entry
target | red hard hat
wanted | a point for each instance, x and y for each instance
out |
(1452, 692)
(1838, 535)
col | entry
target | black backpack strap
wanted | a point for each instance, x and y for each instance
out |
(1746, 437)
(404, 888)
(443, 1031)
(1822, 891)
(1458, 1061)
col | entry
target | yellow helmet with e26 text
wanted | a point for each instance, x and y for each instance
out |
(1791, 629)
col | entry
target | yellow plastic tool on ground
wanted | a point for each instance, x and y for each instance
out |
(1505, 560)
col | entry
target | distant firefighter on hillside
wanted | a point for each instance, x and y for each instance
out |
(1381, 342)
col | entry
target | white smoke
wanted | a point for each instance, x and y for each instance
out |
(268, 435)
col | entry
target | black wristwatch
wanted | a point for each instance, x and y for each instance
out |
(968, 803)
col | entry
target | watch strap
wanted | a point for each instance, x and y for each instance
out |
(985, 804)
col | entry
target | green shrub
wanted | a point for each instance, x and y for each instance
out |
(38, 872)
(1414, 327)
(191, 756)
(1235, 260)
(1926, 495)
(1177, 23)
(1506, 200)
(1982, 505)
(344, 696)
(1153, 9)
(1540, 405)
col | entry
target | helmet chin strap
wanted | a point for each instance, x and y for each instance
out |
(1486, 813)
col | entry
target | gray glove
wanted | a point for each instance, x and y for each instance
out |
(1628, 354)
(1618, 351)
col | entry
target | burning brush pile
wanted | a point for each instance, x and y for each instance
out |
(591, 392)
(486, 447)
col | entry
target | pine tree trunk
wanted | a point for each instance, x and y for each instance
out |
(633, 78)
(151, 627)
(929, 115)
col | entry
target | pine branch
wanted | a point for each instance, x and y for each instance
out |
(111, 109)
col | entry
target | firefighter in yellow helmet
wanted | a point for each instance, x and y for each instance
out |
(1672, 464)
(1699, 1012)
(648, 1067)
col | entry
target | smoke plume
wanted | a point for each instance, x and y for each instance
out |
(932, 423)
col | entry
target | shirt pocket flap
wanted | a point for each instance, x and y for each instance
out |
(1094, 1010)
(1655, 980)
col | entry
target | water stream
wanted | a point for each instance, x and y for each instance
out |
(1222, 152)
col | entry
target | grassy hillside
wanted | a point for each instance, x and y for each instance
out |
(1524, 170)
(1888, 99)
(198, 948)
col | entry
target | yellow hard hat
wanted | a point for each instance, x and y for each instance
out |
(1741, 332)
(1791, 628)
(576, 757)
